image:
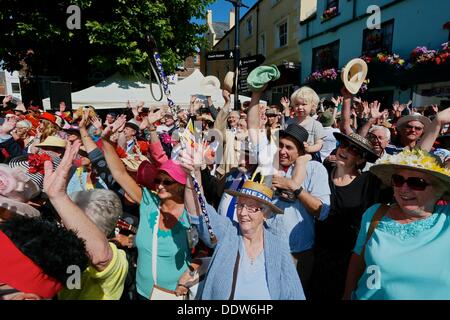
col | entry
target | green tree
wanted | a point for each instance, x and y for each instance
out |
(36, 40)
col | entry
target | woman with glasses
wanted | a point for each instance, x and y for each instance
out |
(249, 261)
(164, 256)
(352, 192)
(402, 248)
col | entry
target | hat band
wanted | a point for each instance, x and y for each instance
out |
(255, 193)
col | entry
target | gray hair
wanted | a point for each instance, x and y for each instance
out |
(103, 207)
(386, 131)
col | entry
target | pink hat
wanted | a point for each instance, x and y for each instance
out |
(174, 170)
(147, 172)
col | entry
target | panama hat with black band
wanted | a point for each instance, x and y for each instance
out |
(362, 143)
(406, 119)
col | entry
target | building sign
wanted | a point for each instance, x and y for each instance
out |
(220, 55)
(246, 65)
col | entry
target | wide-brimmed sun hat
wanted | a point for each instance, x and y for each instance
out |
(404, 120)
(414, 160)
(147, 172)
(360, 142)
(353, 75)
(52, 141)
(209, 86)
(256, 191)
(228, 82)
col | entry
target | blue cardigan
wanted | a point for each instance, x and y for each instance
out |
(282, 277)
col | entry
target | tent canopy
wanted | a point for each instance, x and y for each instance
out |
(115, 91)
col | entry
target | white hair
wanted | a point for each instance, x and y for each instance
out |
(386, 131)
(103, 207)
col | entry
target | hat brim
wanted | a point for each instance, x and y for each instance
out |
(384, 172)
(19, 208)
(370, 155)
(404, 120)
(274, 208)
(353, 87)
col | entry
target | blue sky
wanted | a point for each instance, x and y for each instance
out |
(221, 8)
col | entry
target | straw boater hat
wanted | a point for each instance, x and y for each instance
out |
(414, 160)
(256, 191)
(52, 141)
(354, 74)
(360, 142)
(209, 85)
(404, 120)
(228, 81)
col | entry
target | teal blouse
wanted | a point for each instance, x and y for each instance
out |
(173, 249)
(406, 261)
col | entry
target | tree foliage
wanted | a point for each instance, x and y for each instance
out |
(35, 38)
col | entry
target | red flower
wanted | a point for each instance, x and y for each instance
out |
(121, 152)
(36, 162)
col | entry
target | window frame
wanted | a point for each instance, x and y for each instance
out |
(388, 49)
(314, 56)
(277, 33)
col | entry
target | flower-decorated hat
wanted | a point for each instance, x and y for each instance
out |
(414, 160)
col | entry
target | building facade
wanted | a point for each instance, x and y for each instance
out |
(335, 31)
(269, 28)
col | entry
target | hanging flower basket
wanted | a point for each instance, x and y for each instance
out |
(329, 13)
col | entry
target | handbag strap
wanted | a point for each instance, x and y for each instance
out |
(155, 247)
(379, 214)
(235, 272)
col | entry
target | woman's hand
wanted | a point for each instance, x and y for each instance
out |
(9, 125)
(55, 183)
(84, 119)
(285, 102)
(119, 123)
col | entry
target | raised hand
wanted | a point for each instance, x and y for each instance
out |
(97, 123)
(7, 99)
(396, 106)
(120, 122)
(55, 183)
(84, 119)
(155, 116)
(285, 102)
(375, 110)
(226, 96)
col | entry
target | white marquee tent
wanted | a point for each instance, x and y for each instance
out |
(115, 91)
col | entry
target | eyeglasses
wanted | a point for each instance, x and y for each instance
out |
(410, 127)
(352, 149)
(240, 206)
(415, 183)
(165, 183)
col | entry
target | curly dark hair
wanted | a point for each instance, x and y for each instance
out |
(51, 247)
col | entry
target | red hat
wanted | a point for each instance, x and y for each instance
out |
(22, 273)
(48, 116)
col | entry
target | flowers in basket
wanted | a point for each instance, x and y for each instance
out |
(323, 75)
(364, 86)
(422, 55)
(443, 56)
(329, 13)
(392, 59)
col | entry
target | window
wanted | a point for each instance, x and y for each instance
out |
(326, 57)
(332, 4)
(262, 44)
(249, 28)
(378, 40)
(282, 34)
(15, 87)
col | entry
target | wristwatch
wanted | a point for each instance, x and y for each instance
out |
(298, 191)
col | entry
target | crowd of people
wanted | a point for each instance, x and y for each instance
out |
(306, 199)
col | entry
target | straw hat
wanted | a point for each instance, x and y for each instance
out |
(404, 120)
(52, 141)
(209, 85)
(256, 191)
(414, 160)
(228, 81)
(354, 74)
(20, 107)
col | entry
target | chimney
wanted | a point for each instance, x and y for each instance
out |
(209, 17)
(231, 20)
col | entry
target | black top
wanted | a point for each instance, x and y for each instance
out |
(348, 203)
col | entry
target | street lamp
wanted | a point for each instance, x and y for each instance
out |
(237, 56)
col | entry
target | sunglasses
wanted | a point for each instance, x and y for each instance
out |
(165, 183)
(270, 115)
(414, 183)
(352, 149)
(409, 127)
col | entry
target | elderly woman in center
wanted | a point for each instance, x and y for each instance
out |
(249, 261)
(402, 251)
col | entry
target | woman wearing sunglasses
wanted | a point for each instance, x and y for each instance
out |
(164, 257)
(402, 249)
(352, 192)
